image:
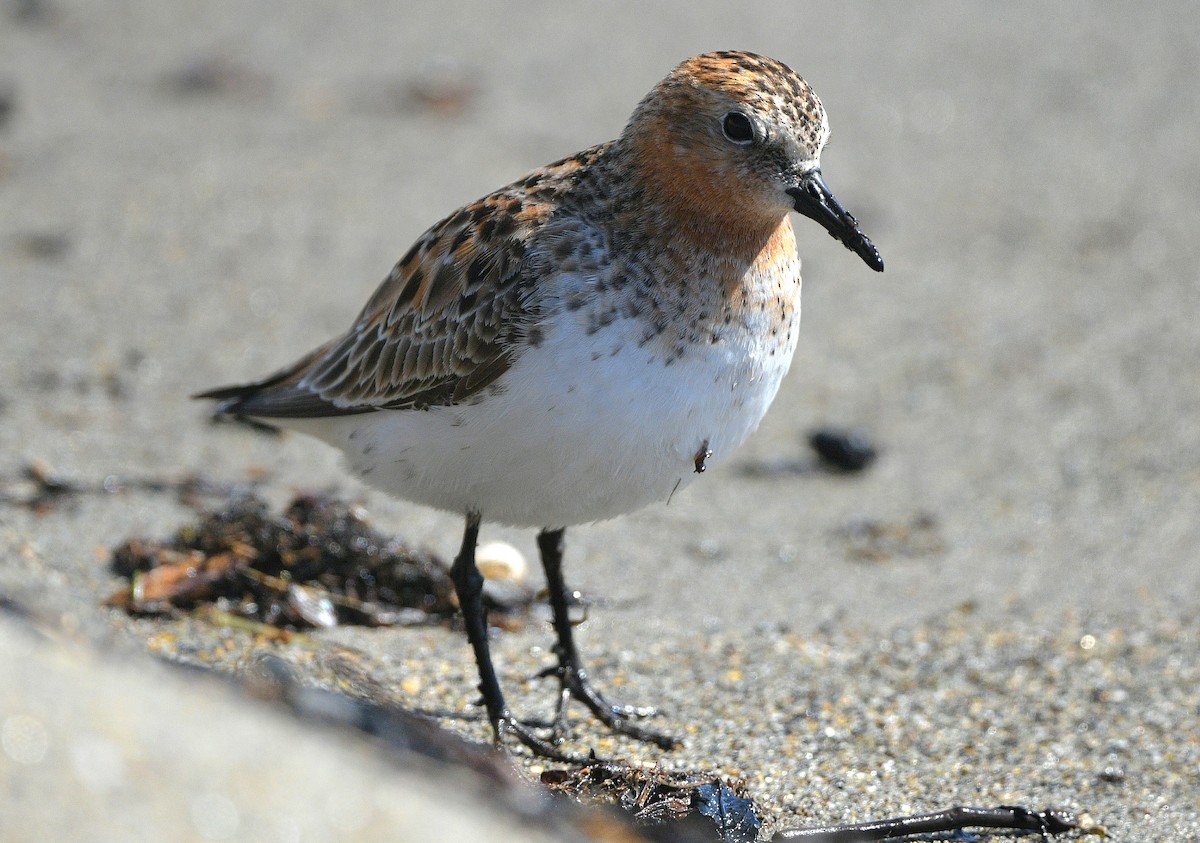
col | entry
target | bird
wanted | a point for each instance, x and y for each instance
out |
(584, 341)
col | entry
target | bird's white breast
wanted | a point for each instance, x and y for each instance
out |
(588, 424)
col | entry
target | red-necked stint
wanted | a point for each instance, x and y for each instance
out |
(584, 341)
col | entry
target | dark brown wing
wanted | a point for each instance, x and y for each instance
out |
(439, 329)
(443, 325)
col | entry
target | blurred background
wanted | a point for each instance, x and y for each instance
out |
(193, 194)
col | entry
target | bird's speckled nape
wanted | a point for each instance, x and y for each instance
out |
(767, 85)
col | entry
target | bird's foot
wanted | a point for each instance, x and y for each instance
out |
(507, 725)
(619, 718)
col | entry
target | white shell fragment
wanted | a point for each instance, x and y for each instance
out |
(501, 562)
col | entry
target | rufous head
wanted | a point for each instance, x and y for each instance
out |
(739, 135)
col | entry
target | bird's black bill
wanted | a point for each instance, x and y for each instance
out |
(816, 201)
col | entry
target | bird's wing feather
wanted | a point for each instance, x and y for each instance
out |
(438, 330)
(445, 323)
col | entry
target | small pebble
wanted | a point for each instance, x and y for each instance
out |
(31, 11)
(444, 87)
(843, 449)
(215, 75)
(42, 245)
(7, 104)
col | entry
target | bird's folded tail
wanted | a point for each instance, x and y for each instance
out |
(277, 396)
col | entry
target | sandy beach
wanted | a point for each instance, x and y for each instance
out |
(1004, 608)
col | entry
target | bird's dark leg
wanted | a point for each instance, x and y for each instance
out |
(468, 584)
(1009, 817)
(570, 670)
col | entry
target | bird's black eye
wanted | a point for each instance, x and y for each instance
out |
(738, 128)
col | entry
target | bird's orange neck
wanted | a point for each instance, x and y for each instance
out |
(700, 200)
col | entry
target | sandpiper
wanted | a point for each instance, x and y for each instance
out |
(584, 341)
